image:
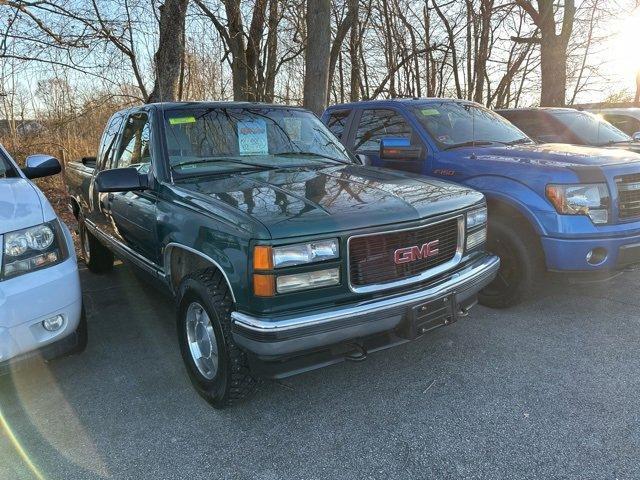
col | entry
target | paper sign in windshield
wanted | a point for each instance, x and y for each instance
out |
(293, 127)
(429, 112)
(181, 120)
(252, 138)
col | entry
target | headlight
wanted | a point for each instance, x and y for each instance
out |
(266, 258)
(475, 218)
(581, 199)
(31, 249)
(307, 280)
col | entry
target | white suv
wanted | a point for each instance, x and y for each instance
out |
(41, 309)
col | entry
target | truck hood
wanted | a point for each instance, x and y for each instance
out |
(550, 155)
(20, 205)
(300, 201)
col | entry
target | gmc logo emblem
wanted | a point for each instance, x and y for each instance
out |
(411, 254)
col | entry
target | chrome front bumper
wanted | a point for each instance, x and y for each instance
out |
(286, 335)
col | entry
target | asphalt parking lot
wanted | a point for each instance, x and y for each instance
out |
(545, 390)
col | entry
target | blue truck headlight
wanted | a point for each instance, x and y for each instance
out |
(303, 253)
(476, 218)
(31, 249)
(591, 199)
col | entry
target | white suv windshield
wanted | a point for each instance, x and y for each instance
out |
(226, 139)
(459, 124)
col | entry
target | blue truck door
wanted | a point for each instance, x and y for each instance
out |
(372, 125)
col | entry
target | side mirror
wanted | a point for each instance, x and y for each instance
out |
(41, 166)
(121, 180)
(636, 137)
(398, 149)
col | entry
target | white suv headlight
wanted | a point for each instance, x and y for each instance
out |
(31, 249)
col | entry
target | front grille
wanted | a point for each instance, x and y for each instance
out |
(371, 257)
(628, 196)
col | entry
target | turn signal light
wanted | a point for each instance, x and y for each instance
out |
(262, 258)
(264, 285)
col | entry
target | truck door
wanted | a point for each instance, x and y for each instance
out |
(134, 213)
(376, 124)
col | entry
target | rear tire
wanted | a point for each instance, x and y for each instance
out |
(217, 367)
(520, 264)
(99, 259)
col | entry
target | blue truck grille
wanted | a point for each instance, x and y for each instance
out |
(628, 196)
(372, 257)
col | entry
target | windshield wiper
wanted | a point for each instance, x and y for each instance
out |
(519, 141)
(224, 160)
(477, 143)
(616, 142)
(307, 154)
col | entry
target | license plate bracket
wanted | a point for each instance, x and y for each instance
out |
(430, 315)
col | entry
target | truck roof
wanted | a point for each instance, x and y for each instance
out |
(407, 101)
(532, 109)
(217, 104)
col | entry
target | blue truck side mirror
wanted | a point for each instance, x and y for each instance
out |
(398, 148)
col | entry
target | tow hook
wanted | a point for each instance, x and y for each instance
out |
(359, 355)
(463, 312)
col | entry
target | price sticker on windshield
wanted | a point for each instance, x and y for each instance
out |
(252, 138)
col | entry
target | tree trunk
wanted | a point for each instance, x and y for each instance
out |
(637, 100)
(553, 64)
(170, 53)
(316, 79)
(272, 51)
(238, 52)
(354, 53)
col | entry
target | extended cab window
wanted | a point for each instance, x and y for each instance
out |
(337, 122)
(377, 124)
(108, 139)
(134, 148)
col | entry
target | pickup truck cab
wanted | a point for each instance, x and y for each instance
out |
(561, 207)
(40, 299)
(283, 253)
(568, 125)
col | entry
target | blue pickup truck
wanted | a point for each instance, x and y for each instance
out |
(557, 207)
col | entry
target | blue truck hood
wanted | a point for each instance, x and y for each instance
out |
(310, 200)
(549, 155)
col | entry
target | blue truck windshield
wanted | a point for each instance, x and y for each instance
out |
(457, 124)
(591, 129)
(226, 139)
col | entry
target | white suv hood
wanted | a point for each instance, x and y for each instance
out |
(20, 205)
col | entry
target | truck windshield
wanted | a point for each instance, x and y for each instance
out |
(460, 124)
(591, 129)
(220, 139)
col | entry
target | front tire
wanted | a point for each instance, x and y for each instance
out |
(217, 367)
(520, 264)
(99, 259)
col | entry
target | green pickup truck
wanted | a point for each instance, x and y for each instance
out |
(284, 253)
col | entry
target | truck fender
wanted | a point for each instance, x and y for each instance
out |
(518, 197)
(192, 260)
